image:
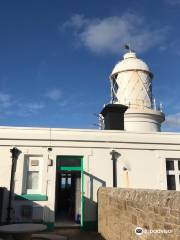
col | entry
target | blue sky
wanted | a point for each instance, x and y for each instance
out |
(56, 57)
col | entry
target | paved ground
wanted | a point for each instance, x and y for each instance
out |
(77, 234)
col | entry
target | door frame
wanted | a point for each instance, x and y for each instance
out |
(81, 169)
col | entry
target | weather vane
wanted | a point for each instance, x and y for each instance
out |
(127, 46)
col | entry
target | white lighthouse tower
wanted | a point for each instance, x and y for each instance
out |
(131, 85)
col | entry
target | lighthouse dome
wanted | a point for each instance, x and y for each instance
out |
(130, 63)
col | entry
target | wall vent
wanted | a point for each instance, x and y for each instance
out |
(26, 212)
(37, 213)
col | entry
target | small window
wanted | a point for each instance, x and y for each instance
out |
(66, 181)
(171, 182)
(115, 86)
(63, 182)
(69, 181)
(173, 173)
(32, 180)
(169, 165)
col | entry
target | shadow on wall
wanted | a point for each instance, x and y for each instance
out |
(27, 210)
(24, 210)
(94, 179)
(3, 208)
(90, 206)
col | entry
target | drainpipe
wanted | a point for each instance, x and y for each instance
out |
(15, 154)
(114, 158)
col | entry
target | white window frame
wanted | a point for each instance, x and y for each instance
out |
(175, 172)
(29, 168)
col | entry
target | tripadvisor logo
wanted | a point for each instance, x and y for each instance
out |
(139, 231)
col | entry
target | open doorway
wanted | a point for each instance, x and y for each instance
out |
(68, 204)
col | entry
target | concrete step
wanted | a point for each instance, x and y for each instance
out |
(48, 237)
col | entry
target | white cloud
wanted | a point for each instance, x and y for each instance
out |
(54, 94)
(173, 120)
(111, 33)
(5, 100)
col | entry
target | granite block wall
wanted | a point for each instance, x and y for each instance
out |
(129, 214)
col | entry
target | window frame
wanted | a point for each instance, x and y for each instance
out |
(29, 168)
(175, 172)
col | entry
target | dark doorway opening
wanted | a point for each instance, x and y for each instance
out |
(68, 197)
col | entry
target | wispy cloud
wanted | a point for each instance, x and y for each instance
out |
(32, 107)
(5, 100)
(108, 35)
(25, 109)
(173, 2)
(18, 107)
(171, 46)
(54, 94)
(173, 120)
(65, 103)
(77, 21)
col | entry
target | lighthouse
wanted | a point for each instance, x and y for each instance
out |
(131, 85)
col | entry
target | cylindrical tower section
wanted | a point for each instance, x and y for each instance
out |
(132, 82)
(131, 85)
(146, 120)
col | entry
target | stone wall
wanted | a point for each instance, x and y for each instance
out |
(121, 211)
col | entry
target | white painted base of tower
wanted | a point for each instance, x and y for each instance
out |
(143, 120)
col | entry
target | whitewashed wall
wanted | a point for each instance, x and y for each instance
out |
(143, 154)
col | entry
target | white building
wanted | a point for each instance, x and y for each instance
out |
(59, 171)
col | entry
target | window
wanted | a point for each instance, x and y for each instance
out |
(173, 174)
(171, 182)
(169, 165)
(32, 179)
(32, 175)
(65, 180)
(115, 86)
(114, 90)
